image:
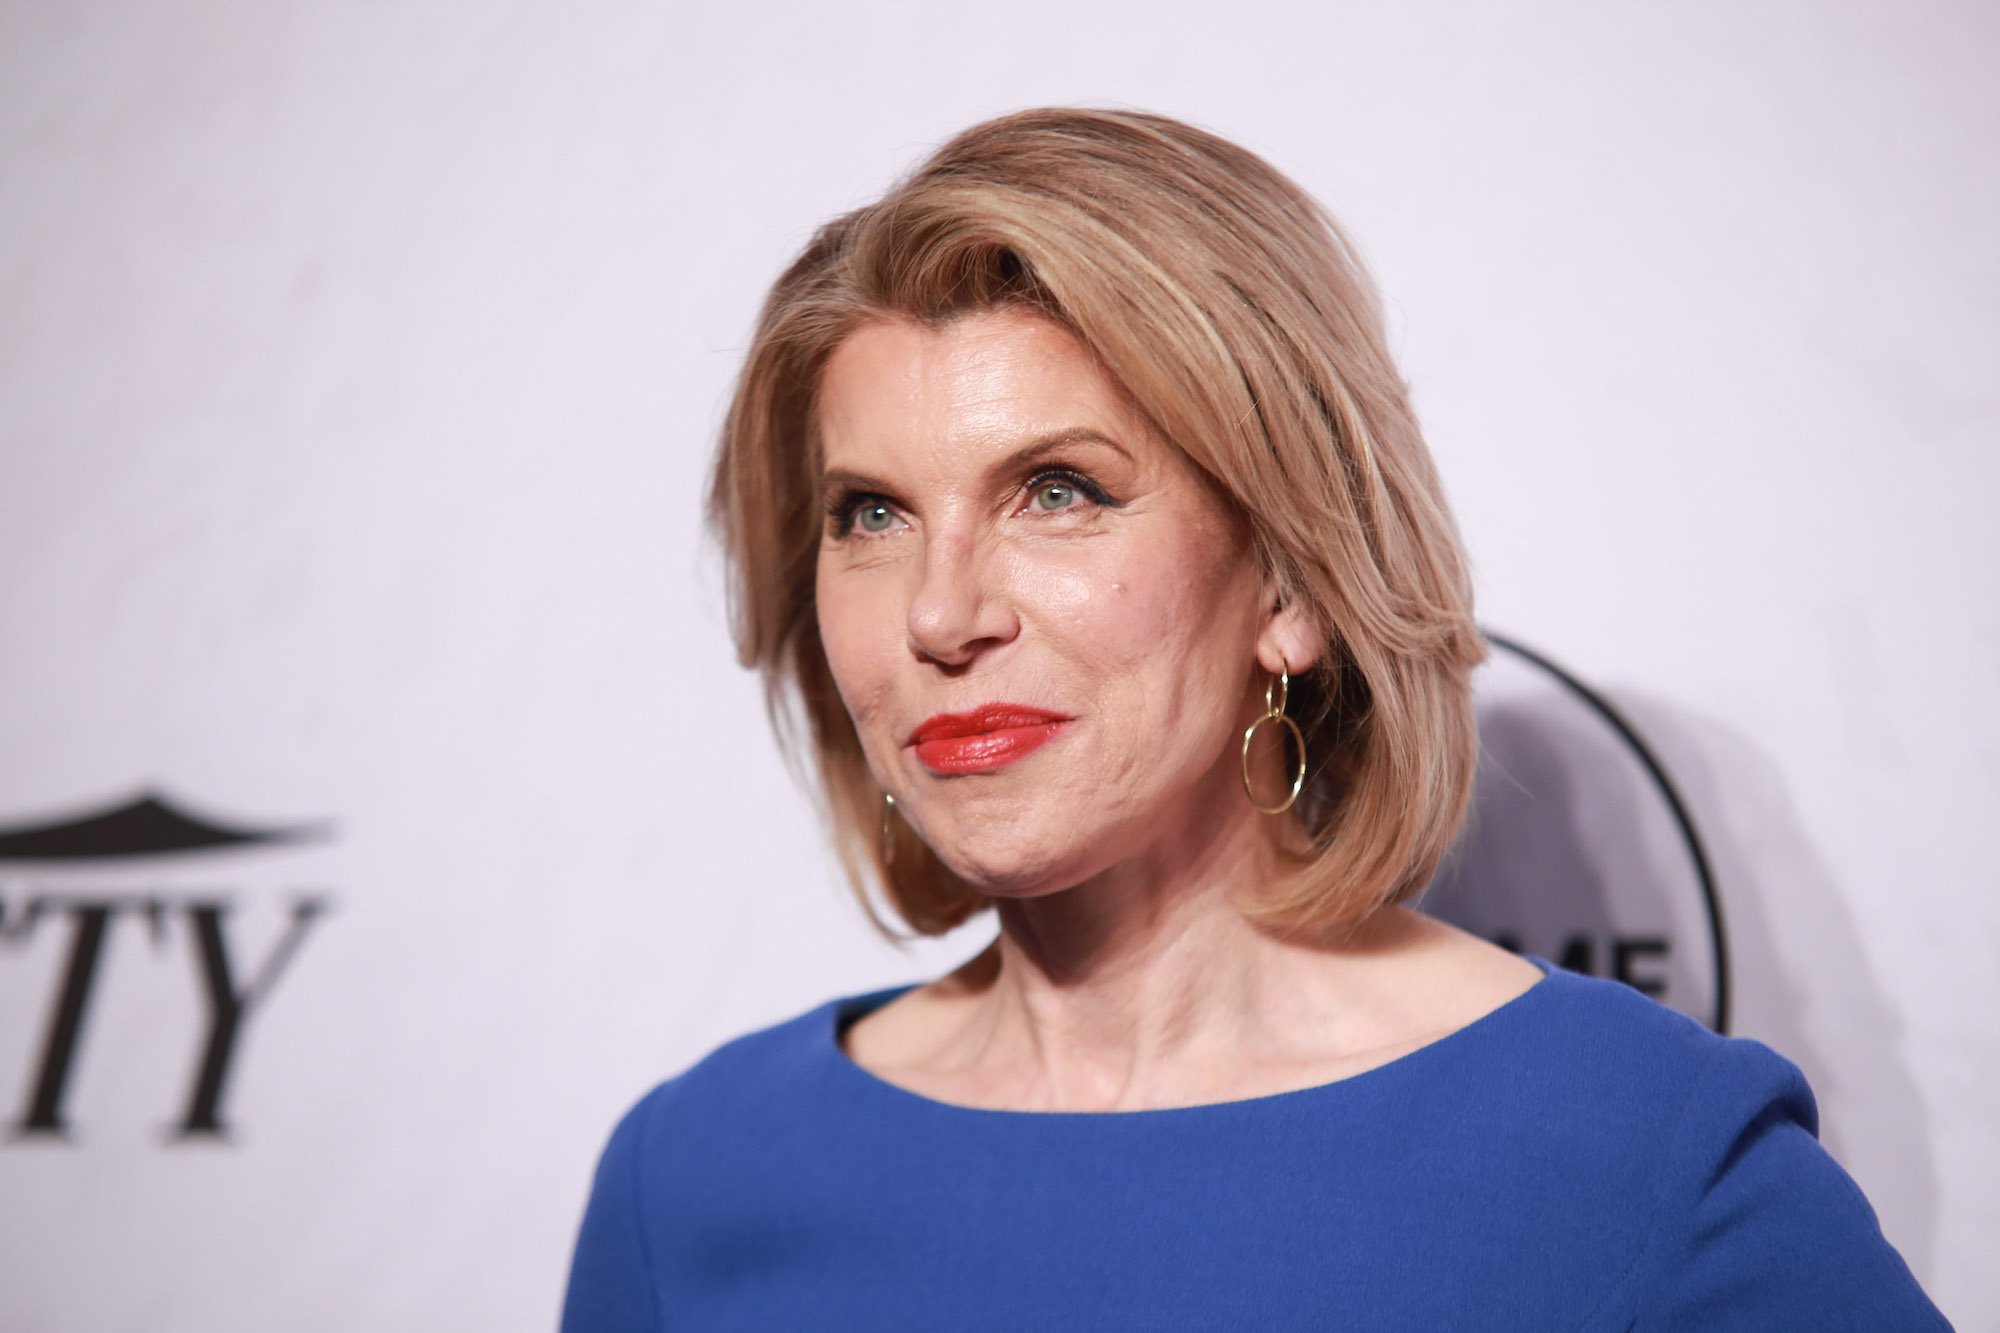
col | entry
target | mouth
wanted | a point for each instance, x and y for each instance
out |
(988, 737)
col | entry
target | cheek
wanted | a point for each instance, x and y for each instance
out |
(1163, 622)
(862, 639)
(1093, 618)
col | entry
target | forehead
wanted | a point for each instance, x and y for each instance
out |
(987, 378)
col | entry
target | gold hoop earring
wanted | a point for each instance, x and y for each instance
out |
(888, 832)
(1276, 695)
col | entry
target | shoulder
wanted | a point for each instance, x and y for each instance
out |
(666, 1147)
(1748, 1221)
(1628, 1076)
(1602, 1093)
(1548, 1050)
(1604, 1034)
(742, 1073)
(1697, 1089)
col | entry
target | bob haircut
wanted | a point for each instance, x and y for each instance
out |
(1229, 307)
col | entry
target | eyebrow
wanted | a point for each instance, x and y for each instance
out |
(1034, 451)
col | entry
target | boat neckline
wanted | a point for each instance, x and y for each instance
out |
(837, 1015)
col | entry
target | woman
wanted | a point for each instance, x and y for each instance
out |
(1071, 493)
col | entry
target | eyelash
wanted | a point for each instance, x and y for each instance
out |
(842, 507)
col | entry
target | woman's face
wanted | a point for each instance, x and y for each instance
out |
(1043, 620)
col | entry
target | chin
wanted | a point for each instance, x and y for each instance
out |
(1019, 890)
(1002, 878)
(996, 867)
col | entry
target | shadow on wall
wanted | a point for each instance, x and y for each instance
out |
(1574, 850)
(1577, 847)
(1803, 982)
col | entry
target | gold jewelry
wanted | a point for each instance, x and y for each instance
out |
(888, 833)
(1276, 695)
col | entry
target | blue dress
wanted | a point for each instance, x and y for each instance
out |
(1580, 1158)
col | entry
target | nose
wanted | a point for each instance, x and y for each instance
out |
(958, 611)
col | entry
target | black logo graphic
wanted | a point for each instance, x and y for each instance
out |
(144, 829)
(147, 826)
(1579, 847)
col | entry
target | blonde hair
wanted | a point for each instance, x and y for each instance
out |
(1227, 304)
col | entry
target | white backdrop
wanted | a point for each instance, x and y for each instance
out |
(359, 366)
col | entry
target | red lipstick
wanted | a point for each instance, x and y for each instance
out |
(988, 737)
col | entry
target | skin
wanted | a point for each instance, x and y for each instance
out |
(1004, 526)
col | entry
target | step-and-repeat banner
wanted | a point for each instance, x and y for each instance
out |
(381, 808)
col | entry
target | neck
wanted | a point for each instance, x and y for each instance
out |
(1147, 979)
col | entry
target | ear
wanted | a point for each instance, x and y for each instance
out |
(1291, 636)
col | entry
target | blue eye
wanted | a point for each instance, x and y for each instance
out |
(1058, 491)
(875, 517)
(1055, 495)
